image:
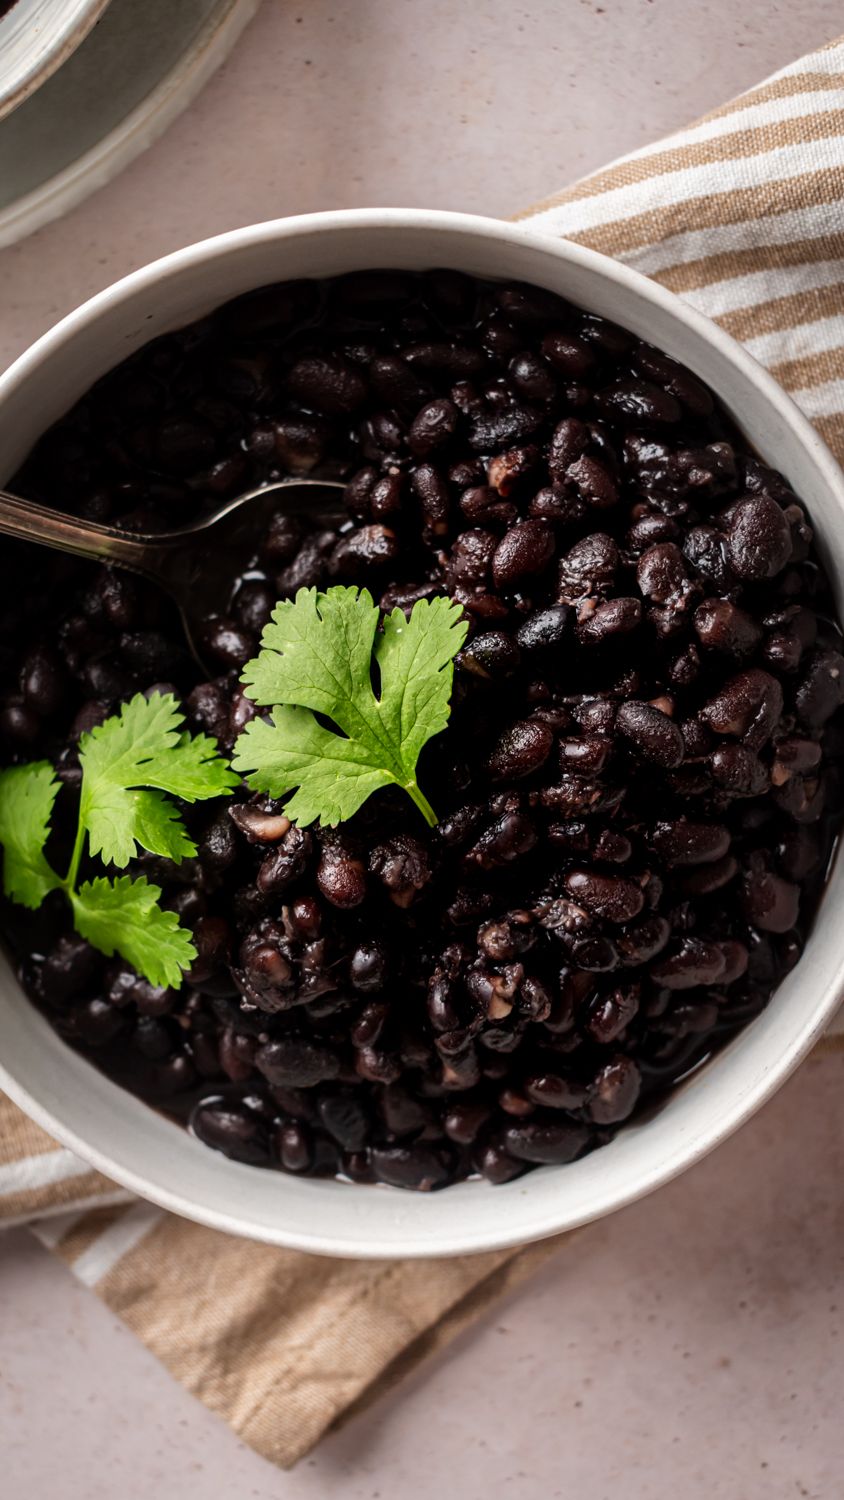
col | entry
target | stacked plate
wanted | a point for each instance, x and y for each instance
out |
(86, 85)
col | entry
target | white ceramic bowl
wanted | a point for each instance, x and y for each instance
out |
(145, 1152)
(36, 37)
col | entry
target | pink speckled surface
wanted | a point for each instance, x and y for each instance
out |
(689, 1346)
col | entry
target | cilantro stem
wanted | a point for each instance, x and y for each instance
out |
(69, 881)
(413, 790)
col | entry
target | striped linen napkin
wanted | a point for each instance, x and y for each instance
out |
(741, 215)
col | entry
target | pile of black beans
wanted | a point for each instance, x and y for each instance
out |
(637, 791)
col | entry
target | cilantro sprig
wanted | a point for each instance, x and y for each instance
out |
(318, 656)
(131, 765)
(353, 701)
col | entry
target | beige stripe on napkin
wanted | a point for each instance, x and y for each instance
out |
(742, 215)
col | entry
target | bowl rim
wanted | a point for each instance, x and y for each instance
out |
(820, 1003)
(44, 61)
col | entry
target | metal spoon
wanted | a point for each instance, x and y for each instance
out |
(197, 565)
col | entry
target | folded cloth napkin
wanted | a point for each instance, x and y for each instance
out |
(741, 215)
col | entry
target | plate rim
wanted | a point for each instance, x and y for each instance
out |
(176, 89)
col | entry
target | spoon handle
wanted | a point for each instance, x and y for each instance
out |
(51, 528)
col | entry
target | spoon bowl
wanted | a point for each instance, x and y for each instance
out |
(197, 565)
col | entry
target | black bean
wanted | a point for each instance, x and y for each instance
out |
(593, 483)
(822, 690)
(706, 550)
(723, 626)
(294, 1146)
(300, 442)
(609, 1015)
(770, 902)
(229, 643)
(737, 958)
(212, 938)
(738, 771)
(432, 493)
(44, 683)
(650, 530)
(651, 733)
(555, 1090)
(403, 1115)
(378, 1066)
(799, 852)
(747, 707)
(515, 1104)
(305, 917)
(661, 572)
(597, 955)
(458, 361)
(395, 382)
(287, 861)
(612, 897)
(531, 377)
(509, 837)
(253, 605)
(498, 1166)
(262, 824)
(19, 724)
(558, 1143)
(782, 651)
(525, 550)
(70, 967)
(692, 962)
(421, 1168)
(365, 551)
(531, 306)
(492, 655)
(434, 425)
(681, 842)
(237, 1055)
(403, 867)
(616, 1086)
(340, 874)
(545, 629)
(483, 505)
(520, 751)
(155, 1038)
(96, 1023)
(640, 943)
(471, 557)
(641, 402)
(569, 355)
(513, 424)
(182, 445)
(296, 1062)
(345, 1119)
(759, 538)
(588, 567)
(607, 620)
(708, 878)
(232, 1129)
(368, 967)
(505, 470)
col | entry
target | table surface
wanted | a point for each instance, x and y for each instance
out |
(689, 1345)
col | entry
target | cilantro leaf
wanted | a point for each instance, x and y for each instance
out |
(333, 775)
(317, 658)
(27, 794)
(128, 763)
(123, 916)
